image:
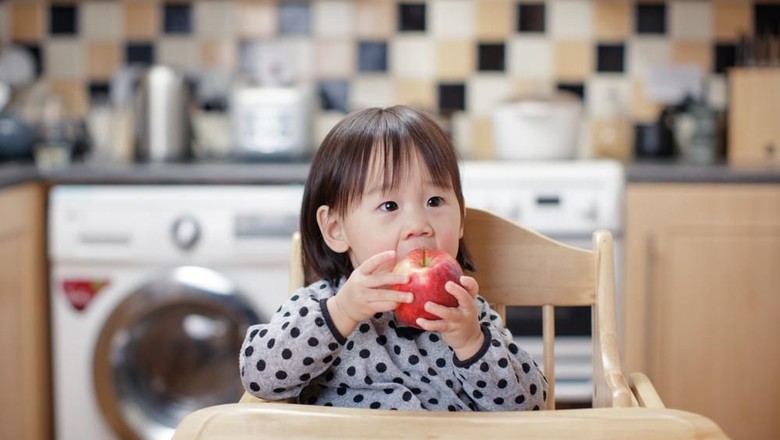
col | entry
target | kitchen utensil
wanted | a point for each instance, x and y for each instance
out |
(161, 113)
(16, 138)
(538, 127)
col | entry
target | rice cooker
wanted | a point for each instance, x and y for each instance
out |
(538, 127)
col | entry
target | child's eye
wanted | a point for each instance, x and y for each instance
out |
(435, 201)
(388, 206)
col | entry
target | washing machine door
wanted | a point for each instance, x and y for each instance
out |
(171, 348)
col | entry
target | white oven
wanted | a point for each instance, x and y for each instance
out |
(567, 201)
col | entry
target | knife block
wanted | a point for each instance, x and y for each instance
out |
(754, 117)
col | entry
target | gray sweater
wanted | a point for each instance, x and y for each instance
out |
(383, 364)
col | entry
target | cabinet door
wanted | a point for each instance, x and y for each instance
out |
(24, 375)
(702, 302)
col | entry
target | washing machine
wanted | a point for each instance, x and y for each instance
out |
(152, 290)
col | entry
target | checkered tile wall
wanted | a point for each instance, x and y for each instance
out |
(457, 57)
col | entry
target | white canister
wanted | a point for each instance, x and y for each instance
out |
(538, 128)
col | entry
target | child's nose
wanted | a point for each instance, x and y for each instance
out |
(417, 224)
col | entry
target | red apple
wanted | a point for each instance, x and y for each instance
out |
(429, 270)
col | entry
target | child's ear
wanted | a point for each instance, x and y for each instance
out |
(332, 229)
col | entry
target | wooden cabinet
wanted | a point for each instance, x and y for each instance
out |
(702, 300)
(24, 374)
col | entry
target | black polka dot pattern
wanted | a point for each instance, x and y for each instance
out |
(382, 364)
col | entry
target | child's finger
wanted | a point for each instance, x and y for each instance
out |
(375, 262)
(387, 279)
(384, 295)
(460, 294)
(438, 325)
(470, 284)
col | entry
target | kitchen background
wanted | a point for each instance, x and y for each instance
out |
(457, 58)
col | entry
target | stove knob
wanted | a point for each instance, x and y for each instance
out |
(185, 232)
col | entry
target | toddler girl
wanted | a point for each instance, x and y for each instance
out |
(385, 182)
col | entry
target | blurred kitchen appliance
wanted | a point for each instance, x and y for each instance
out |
(152, 290)
(161, 113)
(754, 132)
(538, 127)
(567, 201)
(270, 121)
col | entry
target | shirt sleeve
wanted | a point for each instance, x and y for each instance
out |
(501, 376)
(279, 359)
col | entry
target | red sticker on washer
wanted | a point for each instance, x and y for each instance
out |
(80, 292)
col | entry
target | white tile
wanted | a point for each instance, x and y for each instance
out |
(645, 53)
(461, 134)
(608, 96)
(371, 91)
(322, 123)
(64, 58)
(412, 57)
(718, 92)
(101, 20)
(214, 18)
(690, 20)
(335, 58)
(451, 18)
(334, 18)
(486, 92)
(530, 57)
(570, 18)
(180, 52)
(279, 61)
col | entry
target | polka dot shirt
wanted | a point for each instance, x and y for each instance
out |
(382, 364)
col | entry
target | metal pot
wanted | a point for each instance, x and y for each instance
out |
(161, 113)
(538, 128)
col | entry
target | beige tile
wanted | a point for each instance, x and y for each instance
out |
(101, 21)
(142, 20)
(27, 21)
(460, 128)
(538, 86)
(613, 138)
(693, 52)
(455, 59)
(417, 93)
(371, 91)
(689, 20)
(573, 60)
(257, 18)
(731, 19)
(219, 53)
(103, 59)
(494, 19)
(483, 146)
(612, 19)
(642, 110)
(64, 58)
(214, 18)
(335, 58)
(375, 18)
(180, 52)
(74, 94)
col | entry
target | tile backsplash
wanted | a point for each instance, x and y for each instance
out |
(460, 58)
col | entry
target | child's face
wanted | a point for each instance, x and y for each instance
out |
(417, 213)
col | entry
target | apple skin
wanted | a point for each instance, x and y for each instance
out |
(428, 270)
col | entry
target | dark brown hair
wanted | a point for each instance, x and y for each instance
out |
(341, 166)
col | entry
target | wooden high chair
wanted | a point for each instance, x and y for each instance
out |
(519, 267)
(515, 267)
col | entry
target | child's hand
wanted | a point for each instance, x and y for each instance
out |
(365, 293)
(459, 326)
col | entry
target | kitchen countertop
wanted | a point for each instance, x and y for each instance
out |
(296, 172)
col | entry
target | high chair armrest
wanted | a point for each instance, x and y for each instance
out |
(645, 392)
(248, 398)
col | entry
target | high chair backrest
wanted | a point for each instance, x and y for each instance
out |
(519, 267)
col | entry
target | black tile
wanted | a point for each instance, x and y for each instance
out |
(530, 18)
(63, 20)
(650, 18)
(610, 57)
(577, 89)
(411, 17)
(177, 18)
(295, 18)
(139, 53)
(99, 93)
(35, 51)
(372, 56)
(766, 18)
(452, 97)
(334, 95)
(725, 57)
(491, 57)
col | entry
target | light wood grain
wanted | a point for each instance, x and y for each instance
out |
(754, 133)
(702, 301)
(280, 421)
(25, 398)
